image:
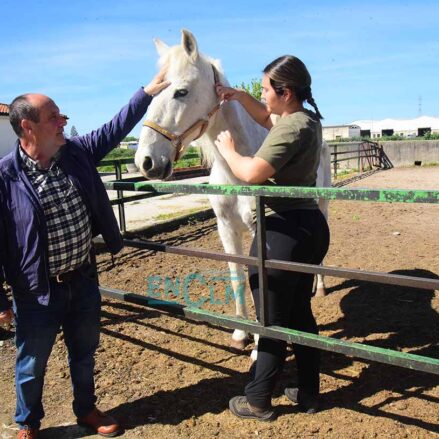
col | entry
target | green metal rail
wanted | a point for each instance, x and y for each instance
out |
(367, 352)
(377, 195)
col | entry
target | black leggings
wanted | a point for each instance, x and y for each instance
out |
(301, 236)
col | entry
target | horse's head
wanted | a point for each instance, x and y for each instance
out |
(175, 116)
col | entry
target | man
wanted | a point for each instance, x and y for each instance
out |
(52, 202)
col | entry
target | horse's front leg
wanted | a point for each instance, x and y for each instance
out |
(231, 237)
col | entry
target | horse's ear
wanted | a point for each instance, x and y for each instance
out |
(160, 46)
(189, 44)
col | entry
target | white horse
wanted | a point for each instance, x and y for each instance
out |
(188, 110)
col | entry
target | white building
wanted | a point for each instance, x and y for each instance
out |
(338, 132)
(7, 135)
(132, 144)
(402, 127)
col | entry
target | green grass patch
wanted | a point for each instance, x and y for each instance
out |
(432, 164)
(343, 174)
(117, 153)
(187, 163)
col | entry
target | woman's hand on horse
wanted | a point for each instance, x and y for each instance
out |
(227, 93)
(158, 83)
(225, 143)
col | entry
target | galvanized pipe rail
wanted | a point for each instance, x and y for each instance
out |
(120, 200)
(345, 273)
(363, 151)
(402, 359)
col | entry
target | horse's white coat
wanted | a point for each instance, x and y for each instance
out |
(191, 71)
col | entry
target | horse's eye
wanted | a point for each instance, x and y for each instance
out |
(180, 93)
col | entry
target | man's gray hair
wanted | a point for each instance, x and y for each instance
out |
(20, 109)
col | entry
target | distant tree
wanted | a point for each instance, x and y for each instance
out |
(73, 131)
(254, 88)
(130, 139)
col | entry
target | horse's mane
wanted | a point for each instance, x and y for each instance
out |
(207, 147)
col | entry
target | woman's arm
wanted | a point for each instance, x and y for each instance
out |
(257, 110)
(252, 170)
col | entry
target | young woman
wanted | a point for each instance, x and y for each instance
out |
(296, 230)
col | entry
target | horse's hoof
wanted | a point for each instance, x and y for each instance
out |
(239, 345)
(320, 292)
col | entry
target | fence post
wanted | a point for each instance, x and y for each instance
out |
(376, 155)
(120, 205)
(361, 157)
(262, 256)
(335, 161)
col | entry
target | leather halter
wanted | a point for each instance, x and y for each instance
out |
(200, 124)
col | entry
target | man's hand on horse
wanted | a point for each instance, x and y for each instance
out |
(6, 318)
(158, 83)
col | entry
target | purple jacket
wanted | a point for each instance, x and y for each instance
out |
(23, 232)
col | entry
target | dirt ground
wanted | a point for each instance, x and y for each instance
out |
(165, 377)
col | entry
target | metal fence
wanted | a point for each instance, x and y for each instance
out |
(363, 155)
(121, 199)
(369, 156)
(367, 352)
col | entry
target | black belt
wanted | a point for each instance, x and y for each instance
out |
(67, 277)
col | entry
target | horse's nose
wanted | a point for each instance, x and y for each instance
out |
(156, 169)
(147, 164)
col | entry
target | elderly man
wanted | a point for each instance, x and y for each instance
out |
(52, 202)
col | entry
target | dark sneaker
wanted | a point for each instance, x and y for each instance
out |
(307, 403)
(240, 407)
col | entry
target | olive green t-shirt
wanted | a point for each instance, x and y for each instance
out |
(293, 147)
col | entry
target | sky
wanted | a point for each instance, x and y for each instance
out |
(368, 59)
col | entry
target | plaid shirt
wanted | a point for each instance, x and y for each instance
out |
(68, 220)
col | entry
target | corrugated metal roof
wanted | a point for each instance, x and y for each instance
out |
(342, 126)
(4, 109)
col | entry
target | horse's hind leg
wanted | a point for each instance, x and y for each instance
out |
(320, 290)
(232, 242)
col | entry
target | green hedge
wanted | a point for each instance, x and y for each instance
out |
(121, 153)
